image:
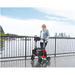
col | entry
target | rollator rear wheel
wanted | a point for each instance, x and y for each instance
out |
(48, 59)
(39, 59)
(32, 58)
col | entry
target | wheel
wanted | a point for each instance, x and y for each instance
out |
(39, 60)
(48, 58)
(32, 57)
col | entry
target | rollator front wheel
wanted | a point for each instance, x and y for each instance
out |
(32, 58)
(48, 58)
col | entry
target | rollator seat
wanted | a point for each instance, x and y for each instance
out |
(37, 38)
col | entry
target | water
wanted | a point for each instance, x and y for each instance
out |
(12, 48)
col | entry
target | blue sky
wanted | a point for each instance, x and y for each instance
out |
(23, 13)
(30, 13)
(57, 19)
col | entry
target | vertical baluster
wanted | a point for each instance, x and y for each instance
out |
(18, 46)
(25, 49)
(32, 46)
(9, 46)
(4, 46)
(14, 48)
(28, 47)
(55, 47)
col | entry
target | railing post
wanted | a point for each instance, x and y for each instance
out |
(55, 47)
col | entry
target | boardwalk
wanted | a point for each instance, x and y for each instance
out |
(62, 61)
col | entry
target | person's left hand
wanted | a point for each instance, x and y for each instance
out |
(46, 39)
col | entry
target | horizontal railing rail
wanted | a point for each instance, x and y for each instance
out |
(38, 36)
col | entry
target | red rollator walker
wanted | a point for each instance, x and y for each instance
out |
(39, 52)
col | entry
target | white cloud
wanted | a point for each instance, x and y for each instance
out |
(33, 26)
(53, 18)
(64, 11)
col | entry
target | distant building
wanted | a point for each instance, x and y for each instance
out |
(68, 35)
(64, 35)
(61, 35)
(55, 34)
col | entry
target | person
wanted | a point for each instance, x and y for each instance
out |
(44, 33)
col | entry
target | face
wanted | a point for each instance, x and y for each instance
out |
(43, 27)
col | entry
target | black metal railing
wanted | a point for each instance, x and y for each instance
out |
(21, 46)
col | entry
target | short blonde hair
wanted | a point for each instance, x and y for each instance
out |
(44, 25)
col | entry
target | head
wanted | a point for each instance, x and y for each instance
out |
(43, 26)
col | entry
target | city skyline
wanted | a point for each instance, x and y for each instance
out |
(61, 35)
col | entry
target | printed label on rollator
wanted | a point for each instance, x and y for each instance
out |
(37, 51)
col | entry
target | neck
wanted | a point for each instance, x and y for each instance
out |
(43, 29)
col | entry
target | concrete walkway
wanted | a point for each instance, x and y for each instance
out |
(61, 61)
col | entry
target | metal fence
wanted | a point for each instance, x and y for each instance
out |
(21, 46)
